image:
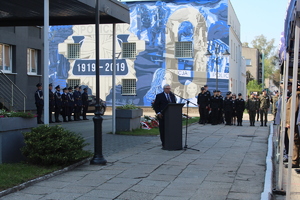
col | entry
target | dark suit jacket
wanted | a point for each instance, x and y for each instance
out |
(161, 101)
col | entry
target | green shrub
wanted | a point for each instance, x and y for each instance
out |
(54, 145)
(128, 107)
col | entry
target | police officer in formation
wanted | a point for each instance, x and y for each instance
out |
(203, 101)
(228, 107)
(252, 107)
(51, 103)
(39, 102)
(85, 103)
(215, 105)
(77, 103)
(264, 107)
(239, 108)
(58, 103)
(70, 104)
(65, 104)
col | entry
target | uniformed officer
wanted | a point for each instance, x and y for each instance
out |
(233, 109)
(70, 103)
(215, 105)
(258, 102)
(206, 90)
(252, 107)
(221, 112)
(203, 103)
(78, 103)
(264, 107)
(227, 107)
(58, 103)
(239, 107)
(274, 101)
(65, 104)
(51, 103)
(39, 102)
(85, 103)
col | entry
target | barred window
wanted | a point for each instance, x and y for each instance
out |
(73, 51)
(6, 57)
(183, 49)
(73, 82)
(32, 61)
(128, 50)
(128, 87)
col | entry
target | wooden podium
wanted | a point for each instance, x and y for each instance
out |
(173, 126)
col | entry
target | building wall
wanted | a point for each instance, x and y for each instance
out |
(22, 38)
(254, 67)
(155, 27)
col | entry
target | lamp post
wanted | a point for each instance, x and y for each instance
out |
(217, 52)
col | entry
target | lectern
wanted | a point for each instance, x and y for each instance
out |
(173, 126)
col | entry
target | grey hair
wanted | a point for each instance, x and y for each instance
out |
(166, 85)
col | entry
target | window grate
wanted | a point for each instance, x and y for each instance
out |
(183, 49)
(73, 82)
(128, 50)
(73, 51)
(128, 86)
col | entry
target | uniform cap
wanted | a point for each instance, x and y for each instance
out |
(65, 88)
(50, 85)
(70, 88)
(85, 88)
(218, 91)
(76, 86)
(215, 91)
(239, 94)
(79, 87)
(39, 84)
(57, 87)
(202, 88)
(205, 86)
(228, 93)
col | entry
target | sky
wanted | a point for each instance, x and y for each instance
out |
(260, 17)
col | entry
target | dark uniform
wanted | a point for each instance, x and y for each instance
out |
(227, 107)
(239, 107)
(257, 111)
(215, 105)
(85, 103)
(39, 102)
(252, 107)
(221, 112)
(203, 103)
(274, 101)
(58, 103)
(264, 107)
(51, 103)
(65, 104)
(70, 103)
(78, 103)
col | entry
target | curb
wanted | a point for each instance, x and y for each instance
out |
(42, 178)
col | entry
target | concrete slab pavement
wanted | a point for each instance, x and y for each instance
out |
(230, 165)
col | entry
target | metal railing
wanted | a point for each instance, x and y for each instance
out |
(11, 96)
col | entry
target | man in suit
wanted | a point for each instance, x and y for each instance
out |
(160, 103)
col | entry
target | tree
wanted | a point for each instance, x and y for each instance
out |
(253, 86)
(245, 44)
(260, 42)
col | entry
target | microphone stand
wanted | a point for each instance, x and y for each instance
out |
(186, 122)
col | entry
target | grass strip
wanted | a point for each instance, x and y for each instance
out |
(17, 173)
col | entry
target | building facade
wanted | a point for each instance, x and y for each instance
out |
(253, 63)
(21, 65)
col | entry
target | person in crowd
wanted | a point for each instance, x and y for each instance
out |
(239, 107)
(85, 103)
(221, 111)
(65, 104)
(252, 107)
(58, 103)
(78, 103)
(264, 107)
(215, 105)
(160, 103)
(39, 102)
(70, 104)
(257, 112)
(51, 103)
(203, 104)
(227, 107)
(234, 109)
(274, 102)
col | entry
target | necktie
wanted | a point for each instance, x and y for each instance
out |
(169, 99)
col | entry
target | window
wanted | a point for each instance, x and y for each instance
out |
(183, 49)
(32, 60)
(128, 87)
(73, 82)
(248, 62)
(73, 51)
(128, 50)
(5, 58)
